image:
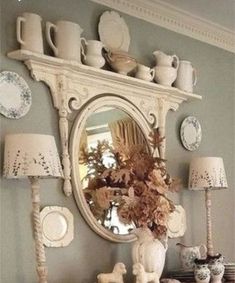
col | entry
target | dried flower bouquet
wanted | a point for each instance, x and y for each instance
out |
(136, 183)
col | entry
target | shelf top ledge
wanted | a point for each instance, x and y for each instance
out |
(26, 55)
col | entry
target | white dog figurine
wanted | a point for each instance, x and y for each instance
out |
(142, 276)
(115, 277)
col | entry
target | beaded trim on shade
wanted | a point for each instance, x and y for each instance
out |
(207, 172)
(31, 155)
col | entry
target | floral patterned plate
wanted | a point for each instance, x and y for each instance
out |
(15, 95)
(191, 133)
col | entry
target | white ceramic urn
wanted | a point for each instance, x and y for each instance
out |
(148, 251)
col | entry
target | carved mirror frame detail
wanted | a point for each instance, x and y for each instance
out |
(75, 87)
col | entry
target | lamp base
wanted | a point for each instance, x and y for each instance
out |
(39, 247)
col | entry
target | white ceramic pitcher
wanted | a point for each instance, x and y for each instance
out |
(29, 32)
(189, 253)
(93, 53)
(163, 59)
(145, 73)
(67, 39)
(166, 68)
(186, 76)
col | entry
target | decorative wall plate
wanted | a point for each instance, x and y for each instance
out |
(15, 95)
(57, 226)
(176, 225)
(113, 31)
(191, 133)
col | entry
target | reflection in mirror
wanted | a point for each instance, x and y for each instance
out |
(105, 131)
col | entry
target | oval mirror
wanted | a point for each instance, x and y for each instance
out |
(96, 140)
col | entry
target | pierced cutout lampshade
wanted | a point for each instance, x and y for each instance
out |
(207, 172)
(31, 155)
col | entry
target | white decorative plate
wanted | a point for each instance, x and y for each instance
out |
(15, 95)
(57, 226)
(191, 133)
(113, 31)
(176, 225)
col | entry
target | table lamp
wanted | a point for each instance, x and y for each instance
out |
(207, 173)
(34, 156)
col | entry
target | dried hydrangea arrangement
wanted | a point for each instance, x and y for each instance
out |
(136, 183)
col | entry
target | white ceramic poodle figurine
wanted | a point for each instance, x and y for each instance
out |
(115, 277)
(142, 276)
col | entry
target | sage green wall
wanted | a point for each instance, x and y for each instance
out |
(89, 254)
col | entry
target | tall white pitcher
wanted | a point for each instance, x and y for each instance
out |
(67, 39)
(186, 76)
(29, 32)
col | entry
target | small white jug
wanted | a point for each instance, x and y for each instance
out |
(189, 253)
(93, 54)
(186, 76)
(29, 32)
(67, 40)
(144, 73)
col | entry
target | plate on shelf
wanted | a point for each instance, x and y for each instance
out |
(190, 133)
(57, 226)
(176, 225)
(15, 95)
(113, 31)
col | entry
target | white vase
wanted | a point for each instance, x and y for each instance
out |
(216, 267)
(148, 251)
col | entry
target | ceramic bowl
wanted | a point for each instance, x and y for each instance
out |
(121, 62)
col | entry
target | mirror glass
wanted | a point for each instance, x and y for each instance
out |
(104, 132)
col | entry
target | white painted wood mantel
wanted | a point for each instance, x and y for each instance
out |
(74, 85)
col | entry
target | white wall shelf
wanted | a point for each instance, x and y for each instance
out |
(73, 85)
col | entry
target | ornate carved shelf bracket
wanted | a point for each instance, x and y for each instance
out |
(72, 85)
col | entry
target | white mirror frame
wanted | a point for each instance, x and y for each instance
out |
(73, 86)
(78, 127)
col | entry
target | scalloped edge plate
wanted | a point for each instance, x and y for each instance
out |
(113, 31)
(176, 225)
(191, 133)
(15, 95)
(57, 226)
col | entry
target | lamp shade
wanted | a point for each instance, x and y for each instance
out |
(207, 172)
(31, 155)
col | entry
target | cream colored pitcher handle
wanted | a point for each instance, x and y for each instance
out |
(82, 48)
(176, 59)
(19, 22)
(203, 251)
(194, 77)
(152, 73)
(50, 26)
